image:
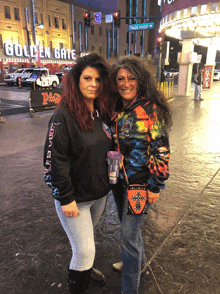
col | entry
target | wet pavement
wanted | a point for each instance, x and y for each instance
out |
(13, 100)
(181, 232)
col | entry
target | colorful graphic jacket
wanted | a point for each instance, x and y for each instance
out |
(144, 145)
(75, 160)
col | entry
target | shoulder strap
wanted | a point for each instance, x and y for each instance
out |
(116, 130)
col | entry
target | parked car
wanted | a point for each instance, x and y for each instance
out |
(216, 76)
(172, 73)
(41, 77)
(12, 78)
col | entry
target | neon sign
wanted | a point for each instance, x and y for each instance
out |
(19, 51)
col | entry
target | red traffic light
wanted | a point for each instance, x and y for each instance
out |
(159, 39)
(117, 19)
(116, 14)
(87, 19)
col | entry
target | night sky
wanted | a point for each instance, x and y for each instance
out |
(106, 6)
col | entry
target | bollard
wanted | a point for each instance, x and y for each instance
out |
(2, 119)
(19, 82)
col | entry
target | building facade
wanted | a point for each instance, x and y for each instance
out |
(193, 22)
(52, 33)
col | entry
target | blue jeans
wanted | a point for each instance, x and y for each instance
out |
(133, 257)
(197, 92)
(80, 231)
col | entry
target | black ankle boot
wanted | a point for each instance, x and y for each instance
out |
(78, 281)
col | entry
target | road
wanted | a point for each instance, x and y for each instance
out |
(13, 100)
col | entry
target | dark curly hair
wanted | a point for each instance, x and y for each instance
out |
(147, 87)
(72, 97)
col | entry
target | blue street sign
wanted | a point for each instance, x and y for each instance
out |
(109, 18)
(97, 17)
(141, 26)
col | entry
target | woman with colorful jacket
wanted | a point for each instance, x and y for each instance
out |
(143, 120)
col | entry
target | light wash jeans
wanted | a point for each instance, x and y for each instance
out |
(133, 257)
(80, 231)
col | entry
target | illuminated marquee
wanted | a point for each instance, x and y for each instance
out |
(169, 1)
(19, 51)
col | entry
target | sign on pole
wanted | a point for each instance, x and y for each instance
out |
(97, 17)
(141, 26)
(109, 18)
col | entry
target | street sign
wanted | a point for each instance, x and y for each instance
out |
(109, 18)
(141, 26)
(97, 17)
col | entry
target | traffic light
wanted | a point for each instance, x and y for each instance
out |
(159, 44)
(116, 19)
(87, 19)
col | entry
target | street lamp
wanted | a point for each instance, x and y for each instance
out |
(41, 26)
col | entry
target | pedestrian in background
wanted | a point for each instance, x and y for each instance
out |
(198, 85)
(141, 129)
(75, 163)
(163, 75)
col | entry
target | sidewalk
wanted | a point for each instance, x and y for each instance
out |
(181, 232)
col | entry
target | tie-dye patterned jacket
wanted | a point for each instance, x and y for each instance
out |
(144, 145)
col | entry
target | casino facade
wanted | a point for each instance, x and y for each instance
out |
(193, 22)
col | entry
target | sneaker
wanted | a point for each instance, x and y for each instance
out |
(97, 277)
(201, 99)
(118, 267)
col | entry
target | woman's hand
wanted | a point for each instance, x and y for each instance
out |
(70, 209)
(152, 197)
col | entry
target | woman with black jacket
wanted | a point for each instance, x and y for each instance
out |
(75, 163)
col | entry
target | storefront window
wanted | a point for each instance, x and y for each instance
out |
(169, 17)
(185, 13)
(203, 9)
(178, 14)
(214, 7)
(193, 10)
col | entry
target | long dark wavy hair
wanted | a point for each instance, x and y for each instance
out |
(147, 87)
(72, 97)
